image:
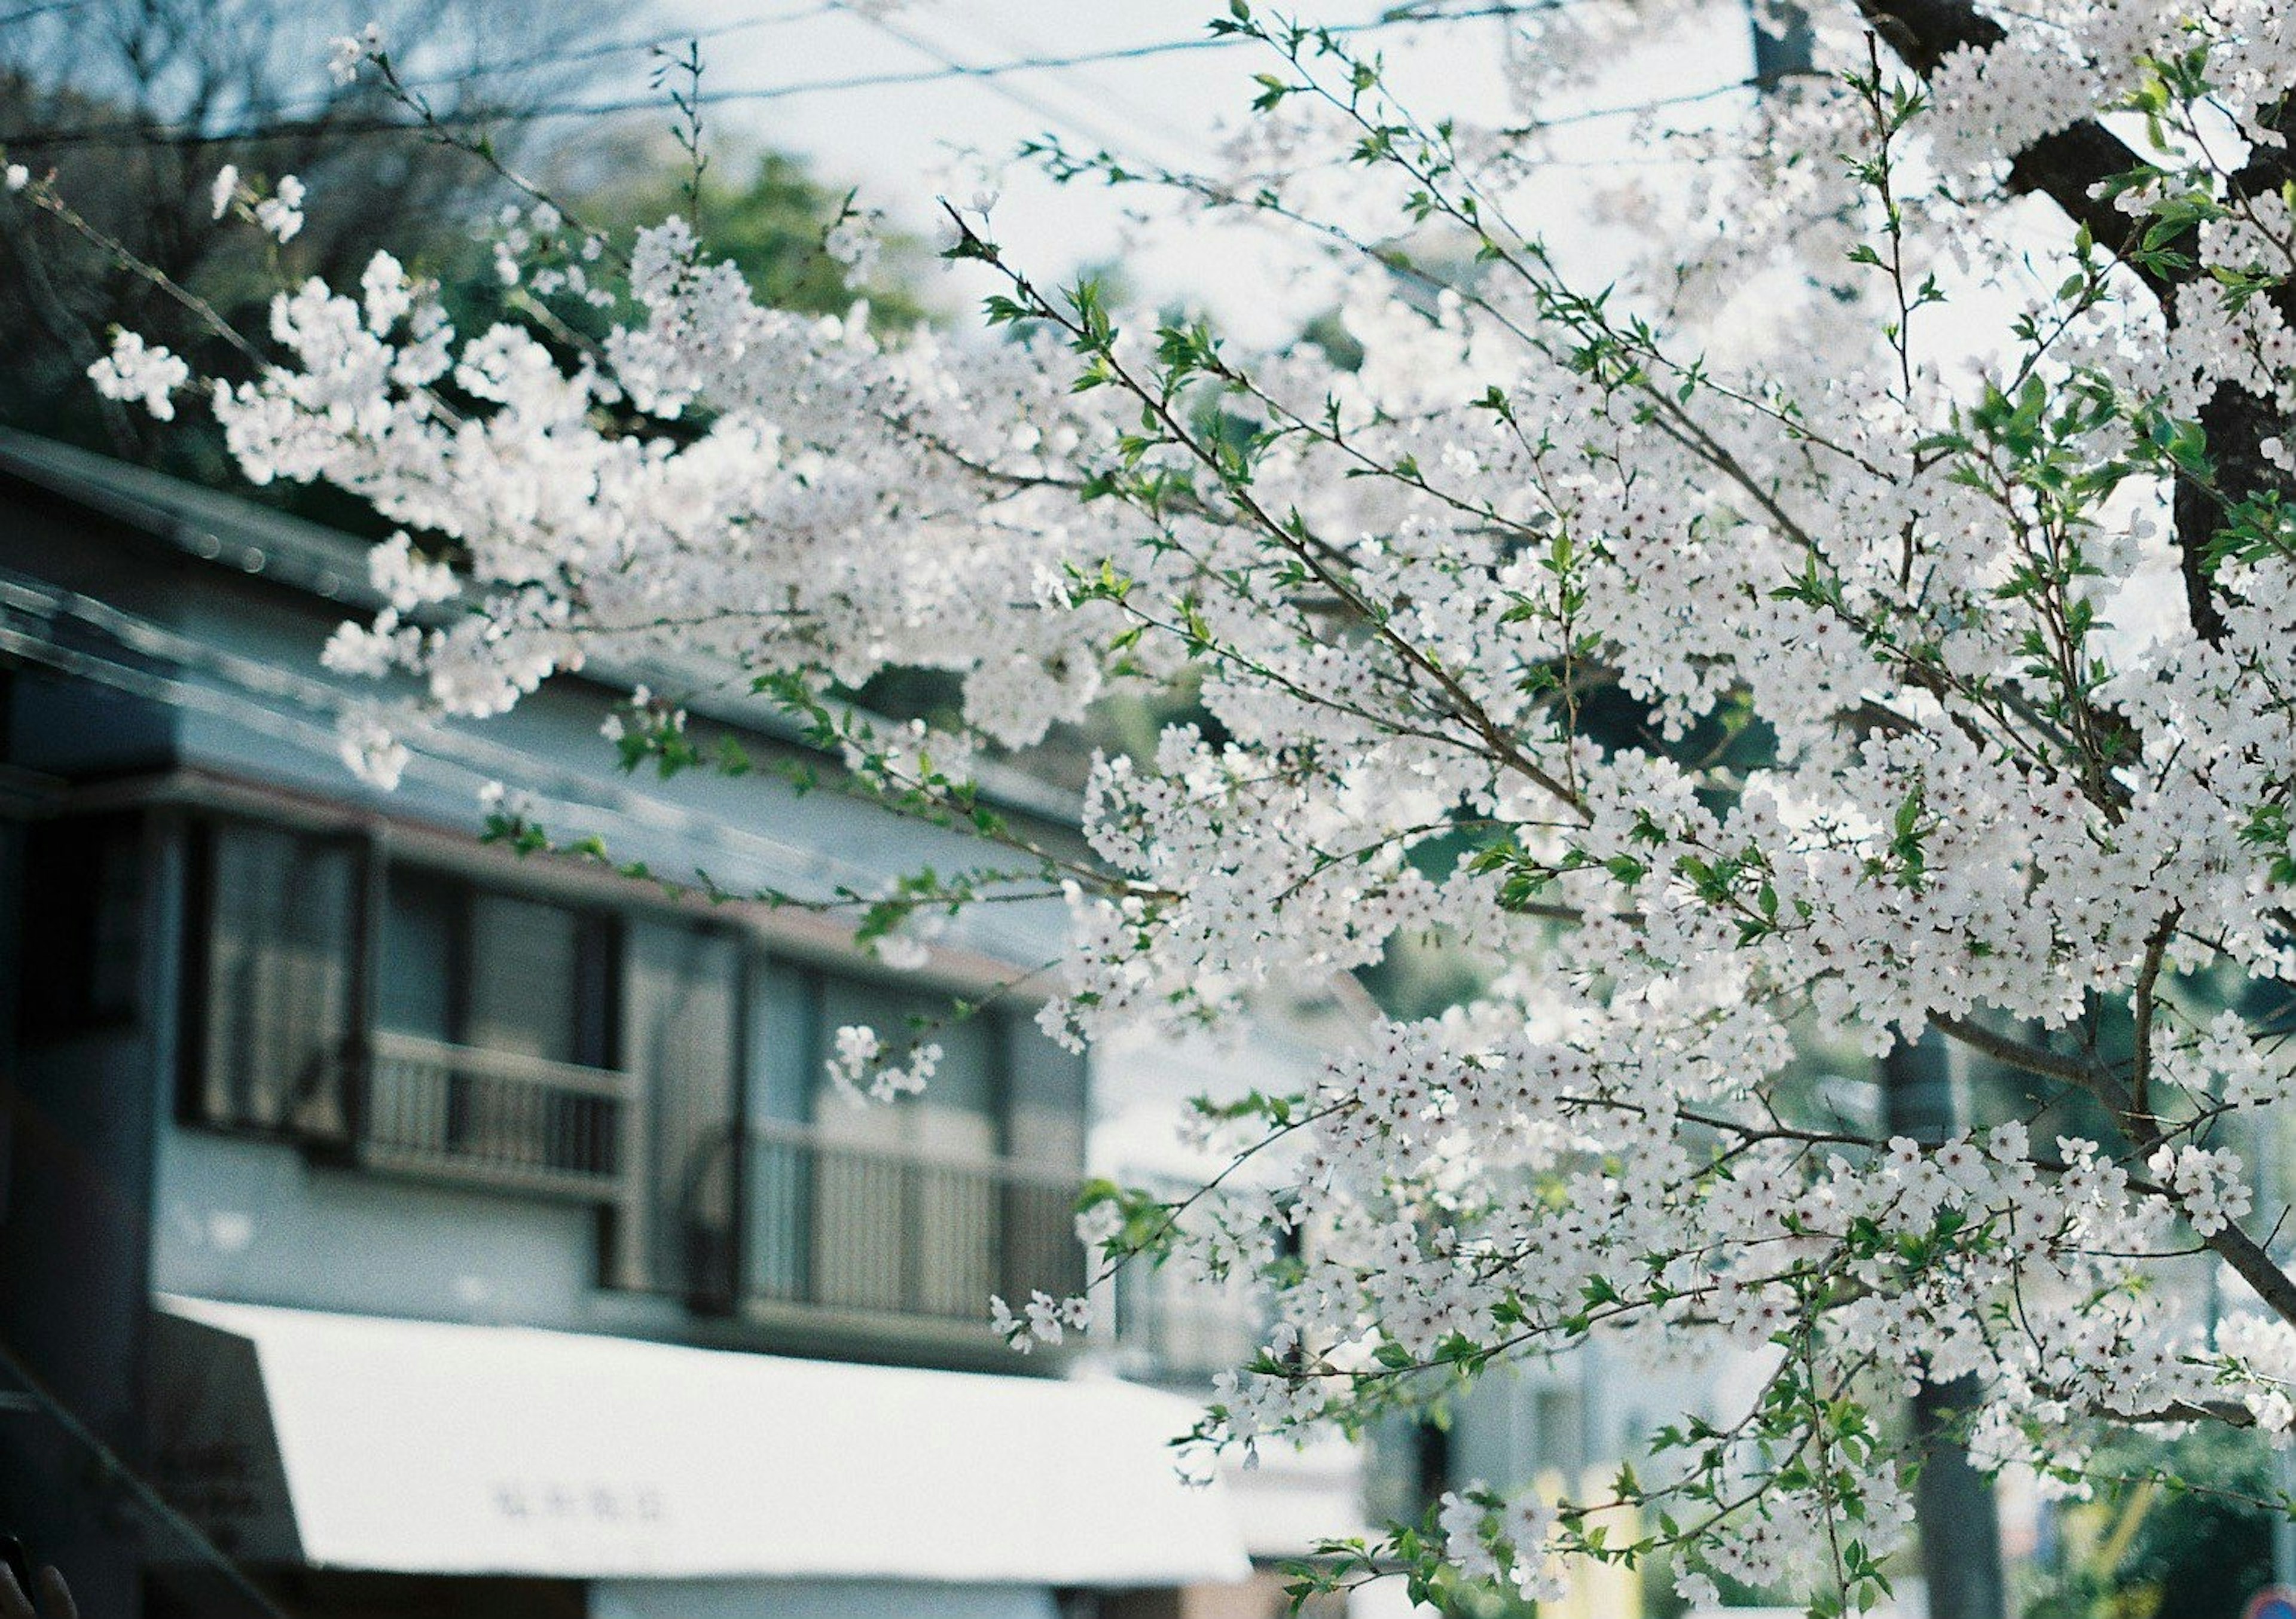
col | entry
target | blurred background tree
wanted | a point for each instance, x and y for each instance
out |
(770, 222)
(137, 104)
(2150, 1551)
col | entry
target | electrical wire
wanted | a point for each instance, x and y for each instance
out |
(131, 132)
(311, 111)
(1012, 94)
(1098, 91)
(540, 59)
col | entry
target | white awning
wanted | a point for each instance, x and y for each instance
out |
(353, 1441)
(1293, 1500)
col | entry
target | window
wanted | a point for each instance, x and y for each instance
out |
(680, 1008)
(472, 968)
(898, 1222)
(494, 1040)
(1556, 1429)
(958, 1115)
(273, 966)
(928, 1205)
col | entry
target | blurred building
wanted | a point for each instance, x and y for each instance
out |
(392, 1224)
(1177, 1330)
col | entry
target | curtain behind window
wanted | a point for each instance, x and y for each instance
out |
(680, 997)
(525, 973)
(276, 996)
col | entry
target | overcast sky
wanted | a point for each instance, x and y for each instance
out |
(898, 142)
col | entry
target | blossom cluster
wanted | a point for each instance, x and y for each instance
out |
(1736, 710)
(863, 1070)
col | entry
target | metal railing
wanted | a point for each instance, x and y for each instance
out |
(882, 1230)
(1181, 1329)
(1173, 1325)
(887, 1230)
(492, 1118)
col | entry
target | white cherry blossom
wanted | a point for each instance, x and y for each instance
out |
(1736, 708)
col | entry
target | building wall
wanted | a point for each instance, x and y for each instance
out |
(107, 1194)
(256, 1221)
(77, 1128)
(241, 693)
(749, 831)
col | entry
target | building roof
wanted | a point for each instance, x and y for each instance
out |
(250, 538)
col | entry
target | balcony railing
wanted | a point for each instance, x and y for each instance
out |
(1179, 1330)
(820, 1223)
(493, 1118)
(885, 1231)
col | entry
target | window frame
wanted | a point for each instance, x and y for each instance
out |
(197, 836)
(598, 969)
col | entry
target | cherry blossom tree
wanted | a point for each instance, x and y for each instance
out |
(1920, 490)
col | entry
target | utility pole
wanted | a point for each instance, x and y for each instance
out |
(1953, 1502)
(2272, 1194)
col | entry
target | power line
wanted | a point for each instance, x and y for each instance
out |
(945, 72)
(310, 112)
(1656, 103)
(1010, 93)
(1103, 95)
(600, 52)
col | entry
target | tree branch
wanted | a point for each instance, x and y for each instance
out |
(2068, 167)
(2248, 1257)
(2065, 167)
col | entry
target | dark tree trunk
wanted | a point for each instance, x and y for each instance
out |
(1953, 1508)
(2068, 167)
(1953, 1503)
